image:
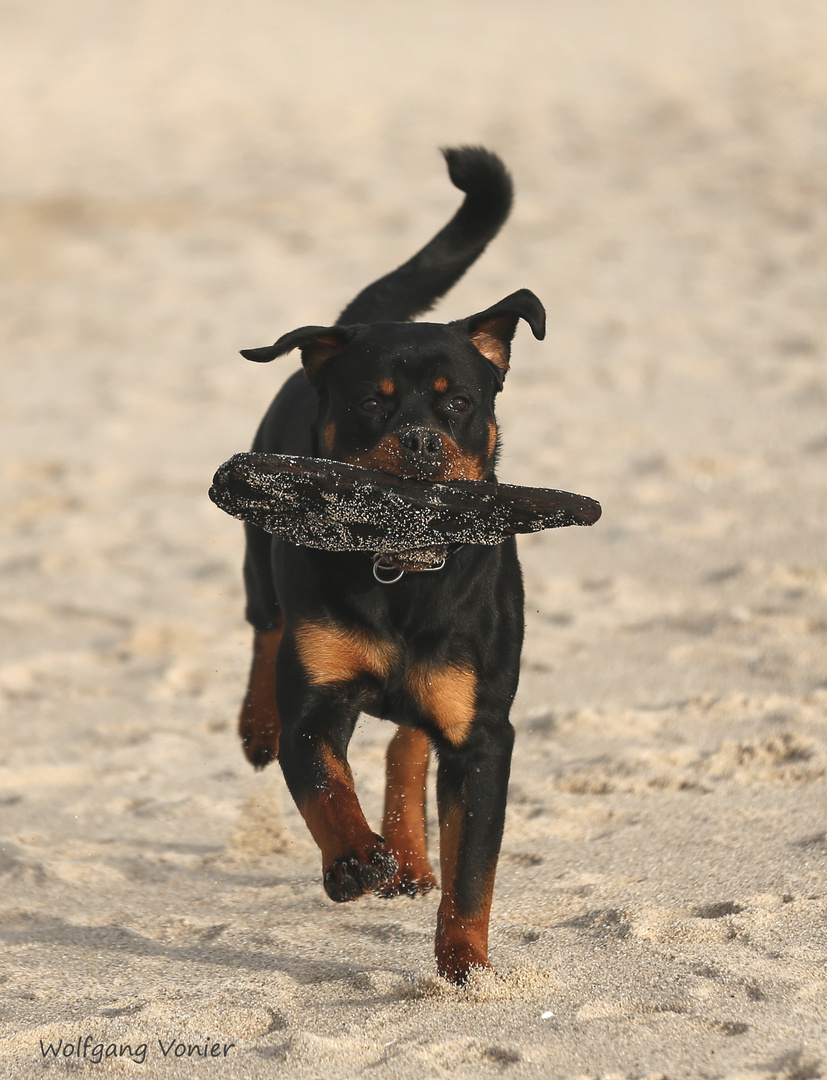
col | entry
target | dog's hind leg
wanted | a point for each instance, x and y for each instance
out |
(403, 824)
(258, 722)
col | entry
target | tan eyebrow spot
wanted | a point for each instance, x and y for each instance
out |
(387, 387)
(441, 384)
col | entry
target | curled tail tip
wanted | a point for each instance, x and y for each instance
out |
(414, 287)
(473, 169)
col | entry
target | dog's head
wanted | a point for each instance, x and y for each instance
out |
(412, 399)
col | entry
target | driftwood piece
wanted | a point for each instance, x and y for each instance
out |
(317, 503)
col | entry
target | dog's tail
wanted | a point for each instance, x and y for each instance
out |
(415, 286)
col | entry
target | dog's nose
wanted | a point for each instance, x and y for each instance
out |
(421, 441)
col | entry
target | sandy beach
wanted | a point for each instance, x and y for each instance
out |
(183, 180)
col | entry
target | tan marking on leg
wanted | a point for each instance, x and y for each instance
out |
(329, 437)
(447, 695)
(403, 825)
(332, 654)
(258, 723)
(333, 814)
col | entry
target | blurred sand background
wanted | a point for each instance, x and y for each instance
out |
(179, 180)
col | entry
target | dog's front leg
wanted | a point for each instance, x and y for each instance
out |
(317, 724)
(472, 786)
(313, 759)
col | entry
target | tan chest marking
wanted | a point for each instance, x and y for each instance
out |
(447, 695)
(333, 654)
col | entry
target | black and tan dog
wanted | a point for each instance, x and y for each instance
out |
(437, 653)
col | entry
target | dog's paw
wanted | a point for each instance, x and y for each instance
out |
(456, 961)
(413, 878)
(357, 873)
(260, 743)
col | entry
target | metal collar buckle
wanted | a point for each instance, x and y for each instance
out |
(382, 565)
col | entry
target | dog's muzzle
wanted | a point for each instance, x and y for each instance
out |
(422, 445)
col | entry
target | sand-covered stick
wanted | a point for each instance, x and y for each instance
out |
(318, 503)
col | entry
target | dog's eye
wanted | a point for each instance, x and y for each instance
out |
(459, 404)
(370, 405)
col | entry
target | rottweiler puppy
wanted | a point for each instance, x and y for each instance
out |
(433, 648)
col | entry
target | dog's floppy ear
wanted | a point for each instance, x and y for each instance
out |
(491, 330)
(317, 344)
